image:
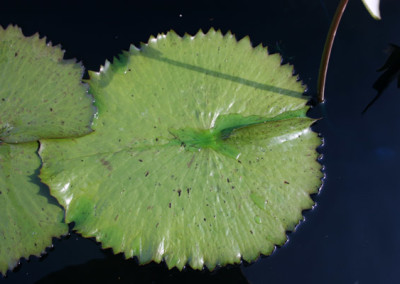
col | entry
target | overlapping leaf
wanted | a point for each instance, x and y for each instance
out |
(28, 219)
(41, 95)
(201, 153)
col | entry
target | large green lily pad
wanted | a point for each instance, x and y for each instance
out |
(41, 95)
(201, 154)
(28, 219)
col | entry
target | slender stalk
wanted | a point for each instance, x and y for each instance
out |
(323, 68)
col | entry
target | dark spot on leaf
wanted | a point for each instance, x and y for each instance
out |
(62, 122)
(156, 139)
(179, 192)
(191, 161)
(239, 161)
(155, 126)
(140, 160)
(146, 174)
(51, 109)
(149, 207)
(106, 164)
(15, 55)
(286, 182)
(251, 232)
(129, 70)
(169, 205)
(3, 99)
(188, 190)
(228, 180)
(205, 219)
(233, 187)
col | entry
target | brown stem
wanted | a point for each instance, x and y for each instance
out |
(323, 68)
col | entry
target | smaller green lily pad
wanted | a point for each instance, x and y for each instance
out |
(28, 220)
(41, 95)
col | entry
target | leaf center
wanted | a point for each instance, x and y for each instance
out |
(215, 138)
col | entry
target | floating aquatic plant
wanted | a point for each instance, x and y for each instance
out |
(41, 96)
(202, 153)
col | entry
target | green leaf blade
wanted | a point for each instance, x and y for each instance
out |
(41, 95)
(27, 220)
(134, 187)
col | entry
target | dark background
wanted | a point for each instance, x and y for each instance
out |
(353, 233)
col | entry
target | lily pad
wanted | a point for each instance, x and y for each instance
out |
(41, 95)
(202, 153)
(28, 219)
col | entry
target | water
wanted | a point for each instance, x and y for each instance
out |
(353, 233)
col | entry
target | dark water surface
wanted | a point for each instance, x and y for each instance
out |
(353, 234)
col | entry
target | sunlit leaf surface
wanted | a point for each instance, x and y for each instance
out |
(41, 95)
(201, 154)
(28, 219)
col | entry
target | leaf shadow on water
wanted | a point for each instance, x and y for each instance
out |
(391, 72)
(116, 268)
